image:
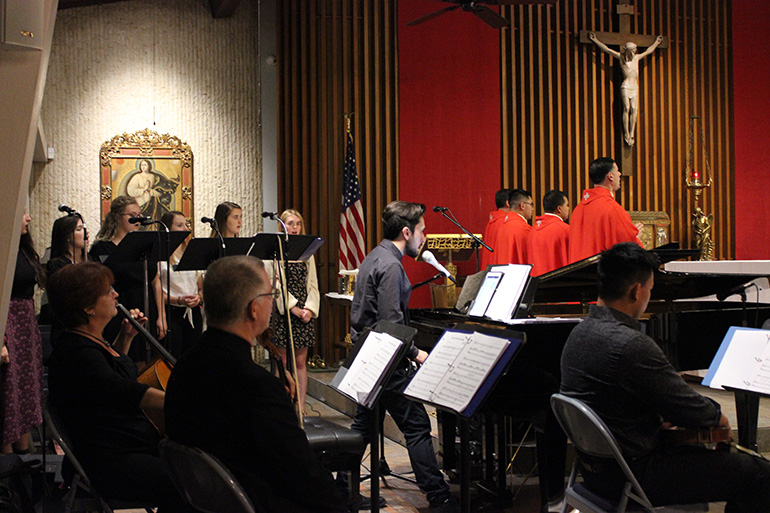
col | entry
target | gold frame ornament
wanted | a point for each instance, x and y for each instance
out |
(155, 169)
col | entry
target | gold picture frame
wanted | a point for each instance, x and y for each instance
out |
(155, 169)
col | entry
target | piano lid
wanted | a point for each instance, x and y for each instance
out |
(576, 282)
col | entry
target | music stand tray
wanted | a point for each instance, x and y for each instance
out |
(137, 246)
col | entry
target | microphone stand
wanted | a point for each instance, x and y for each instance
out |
(223, 249)
(476, 241)
(283, 271)
(422, 283)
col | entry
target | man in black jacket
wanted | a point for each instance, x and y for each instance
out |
(220, 401)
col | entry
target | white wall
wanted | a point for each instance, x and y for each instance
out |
(167, 66)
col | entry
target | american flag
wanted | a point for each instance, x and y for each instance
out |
(352, 229)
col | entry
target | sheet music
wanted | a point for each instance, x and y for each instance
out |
(456, 368)
(508, 292)
(377, 351)
(743, 361)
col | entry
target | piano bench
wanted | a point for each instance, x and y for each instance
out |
(338, 448)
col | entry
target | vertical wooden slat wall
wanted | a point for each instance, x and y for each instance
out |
(336, 57)
(558, 102)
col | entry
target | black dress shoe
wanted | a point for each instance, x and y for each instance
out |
(447, 505)
(366, 502)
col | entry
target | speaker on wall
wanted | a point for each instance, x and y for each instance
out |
(21, 24)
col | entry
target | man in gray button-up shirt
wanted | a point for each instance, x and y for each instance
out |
(382, 292)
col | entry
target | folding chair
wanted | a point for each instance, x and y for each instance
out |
(203, 481)
(591, 437)
(80, 481)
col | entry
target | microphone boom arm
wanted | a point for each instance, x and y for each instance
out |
(472, 236)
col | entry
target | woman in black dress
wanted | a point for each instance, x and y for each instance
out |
(69, 239)
(93, 388)
(129, 276)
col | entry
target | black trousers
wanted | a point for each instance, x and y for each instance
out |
(694, 474)
(412, 419)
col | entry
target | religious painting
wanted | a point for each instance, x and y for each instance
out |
(154, 169)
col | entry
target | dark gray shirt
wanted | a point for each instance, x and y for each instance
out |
(382, 291)
(626, 379)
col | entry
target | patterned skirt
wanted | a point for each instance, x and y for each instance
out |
(21, 380)
(303, 333)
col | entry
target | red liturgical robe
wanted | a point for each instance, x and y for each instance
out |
(598, 223)
(512, 240)
(496, 219)
(548, 244)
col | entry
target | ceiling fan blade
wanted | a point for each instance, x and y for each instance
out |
(432, 15)
(517, 2)
(490, 17)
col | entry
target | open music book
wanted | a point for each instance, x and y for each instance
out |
(742, 362)
(462, 368)
(373, 361)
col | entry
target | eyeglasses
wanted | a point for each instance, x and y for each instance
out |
(273, 293)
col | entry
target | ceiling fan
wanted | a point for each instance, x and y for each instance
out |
(478, 8)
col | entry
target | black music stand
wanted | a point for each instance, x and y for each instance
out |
(500, 368)
(146, 247)
(201, 251)
(405, 334)
(295, 248)
(137, 246)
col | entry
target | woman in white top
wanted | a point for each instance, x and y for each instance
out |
(185, 323)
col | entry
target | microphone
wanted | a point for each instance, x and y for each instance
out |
(429, 258)
(271, 215)
(440, 209)
(210, 221)
(740, 289)
(65, 208)
(143, 220)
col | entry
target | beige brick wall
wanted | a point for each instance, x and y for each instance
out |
(167, 66)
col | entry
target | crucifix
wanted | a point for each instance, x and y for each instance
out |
(629, 67)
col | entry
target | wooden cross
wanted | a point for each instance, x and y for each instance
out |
(625, 10)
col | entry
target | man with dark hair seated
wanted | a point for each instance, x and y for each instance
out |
(221, 402)
(626, 379)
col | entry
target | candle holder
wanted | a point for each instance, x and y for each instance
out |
(695, 181)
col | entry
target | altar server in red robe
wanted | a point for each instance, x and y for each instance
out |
(599, 222)
(512, 237)
(496, 218)
(549, 239)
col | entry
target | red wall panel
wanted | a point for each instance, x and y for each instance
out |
(449, 107)
(751, 110)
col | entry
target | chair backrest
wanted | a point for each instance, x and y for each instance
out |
(61, 437)
(203, 480)
(591, 436)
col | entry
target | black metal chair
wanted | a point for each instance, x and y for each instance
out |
(80, 483)
(592, 439)
(203, 481)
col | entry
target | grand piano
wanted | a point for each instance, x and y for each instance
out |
(689, 332)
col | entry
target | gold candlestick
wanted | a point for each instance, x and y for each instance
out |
(694, 179)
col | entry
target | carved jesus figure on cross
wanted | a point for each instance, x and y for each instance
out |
(629, 89)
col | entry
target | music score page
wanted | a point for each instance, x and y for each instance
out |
(456, 368)
(376, 353)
